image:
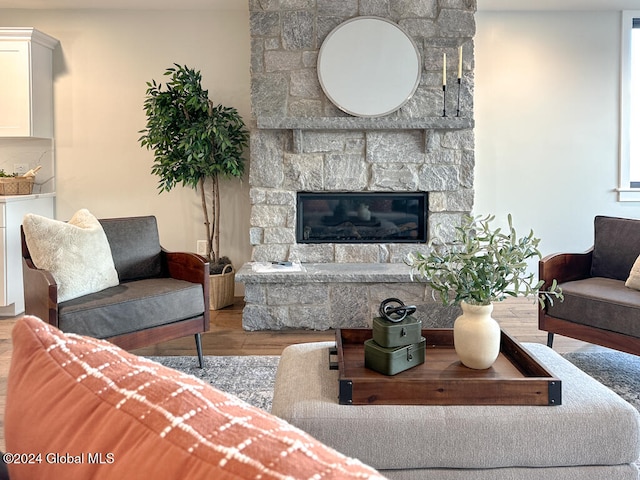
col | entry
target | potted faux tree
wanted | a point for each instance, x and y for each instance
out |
(195, 143)
(480, 266)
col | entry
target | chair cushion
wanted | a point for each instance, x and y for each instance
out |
(76, 253)
(616, 247)
(86, 399)
(131, 306)
(135, 246)
(600, 302)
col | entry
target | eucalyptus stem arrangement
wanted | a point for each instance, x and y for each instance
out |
(194, 141)
(482, 265)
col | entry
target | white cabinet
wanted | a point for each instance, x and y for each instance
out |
(26, 122)
(12, 209)
(26, 83)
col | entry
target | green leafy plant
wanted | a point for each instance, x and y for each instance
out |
(482, 265)
(193, 141)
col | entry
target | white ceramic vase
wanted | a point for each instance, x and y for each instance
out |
(476, 336)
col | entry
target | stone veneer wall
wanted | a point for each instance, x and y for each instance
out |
(301, 142)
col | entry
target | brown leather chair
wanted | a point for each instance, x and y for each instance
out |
(161, 296)
(597, 307)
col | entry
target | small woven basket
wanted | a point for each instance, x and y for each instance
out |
(16, 185)
(221, 288)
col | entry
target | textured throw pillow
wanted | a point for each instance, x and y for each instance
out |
(634, 276)
(77, 253)
(92, 410)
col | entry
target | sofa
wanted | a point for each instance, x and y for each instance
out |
(111, 279)
(600, 287)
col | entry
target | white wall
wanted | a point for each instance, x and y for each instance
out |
(546, 106)
(101, 68)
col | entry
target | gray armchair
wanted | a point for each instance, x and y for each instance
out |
(161, 295)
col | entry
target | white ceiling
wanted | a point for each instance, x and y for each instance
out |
(243, 4)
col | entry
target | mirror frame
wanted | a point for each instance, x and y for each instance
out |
(367, 51)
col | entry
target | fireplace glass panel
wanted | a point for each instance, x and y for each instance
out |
(372, 217)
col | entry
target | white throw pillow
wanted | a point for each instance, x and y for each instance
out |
(76, 253)
(634, 276)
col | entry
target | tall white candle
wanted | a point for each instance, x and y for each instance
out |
(460, 62)
(444, 69)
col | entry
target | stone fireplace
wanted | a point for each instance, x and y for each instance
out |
(301, 142)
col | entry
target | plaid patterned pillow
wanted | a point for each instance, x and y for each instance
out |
(78, 407)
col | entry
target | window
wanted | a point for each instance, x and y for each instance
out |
(629, 188)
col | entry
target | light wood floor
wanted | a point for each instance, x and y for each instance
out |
(226, 337)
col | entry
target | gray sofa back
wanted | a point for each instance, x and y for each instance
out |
(135, 246)
(616, 247)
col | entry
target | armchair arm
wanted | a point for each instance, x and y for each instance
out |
(192, 268)
(187, 266)
(40, 288)
(565, 267)
(40, 293)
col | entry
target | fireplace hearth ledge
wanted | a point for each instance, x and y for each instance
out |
(334, 295)
(330, 272)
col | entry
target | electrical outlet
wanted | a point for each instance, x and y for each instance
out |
(20, 168)
(201, 247)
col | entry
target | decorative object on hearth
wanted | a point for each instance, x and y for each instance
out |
(480, 266)
(397, 342)
(195, 143)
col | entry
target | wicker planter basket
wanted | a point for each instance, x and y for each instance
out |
(221, 288)
(16, 185)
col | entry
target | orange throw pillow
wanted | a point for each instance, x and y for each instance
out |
(82, 408)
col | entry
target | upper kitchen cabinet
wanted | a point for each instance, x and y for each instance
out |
(26, 83)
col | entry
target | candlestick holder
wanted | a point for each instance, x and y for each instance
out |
(444, 100)
(459, 88)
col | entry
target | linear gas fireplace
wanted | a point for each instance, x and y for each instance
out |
(368, 217)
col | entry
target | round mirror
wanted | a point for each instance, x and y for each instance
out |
(369, 66)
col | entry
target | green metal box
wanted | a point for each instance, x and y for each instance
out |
(390, 361)
(396, 334)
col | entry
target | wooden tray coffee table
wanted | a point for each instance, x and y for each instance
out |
(516, 378)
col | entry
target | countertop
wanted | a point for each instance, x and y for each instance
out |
(21, 198)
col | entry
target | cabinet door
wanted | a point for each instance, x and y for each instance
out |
(11, 286)
(15, 83)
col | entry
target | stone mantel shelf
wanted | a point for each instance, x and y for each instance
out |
(357, 123)
(331, 273)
